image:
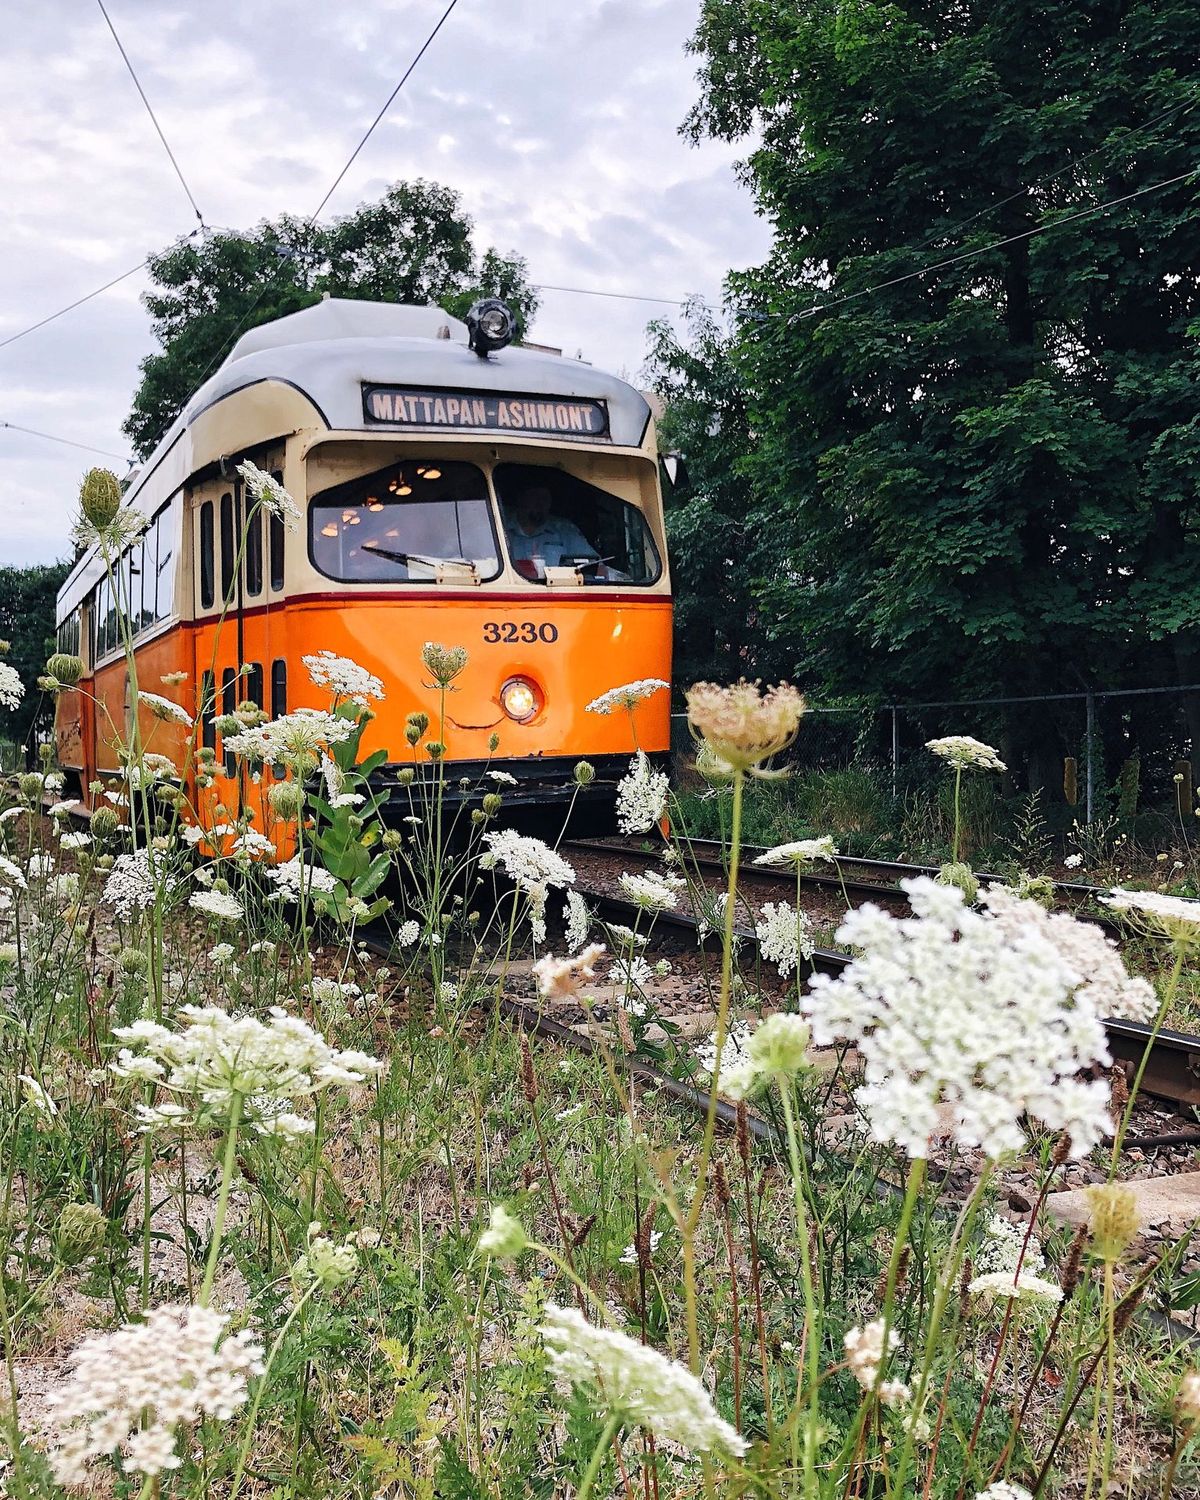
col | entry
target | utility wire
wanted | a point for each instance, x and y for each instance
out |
(79, 301)
(149, 110)
(270, 281)
(1026, 234)
(51, 437)
(587, 291)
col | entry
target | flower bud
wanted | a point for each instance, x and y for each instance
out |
(392, 840)
(404, 777)
(478, 816)
(585, 773)
(287, 799)
(228, 724)
(133, 963)
(435, 750)
(493, 742)
(65, 668)
(104, 823)
(962, 877)
(492, 804)
(79, 1233)
(412, 734)
(443, 663)
(30, 785)
(100, 496)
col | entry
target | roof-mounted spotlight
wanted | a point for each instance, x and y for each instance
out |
(490, 325)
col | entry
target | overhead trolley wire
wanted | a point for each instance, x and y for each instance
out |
(312, 218)
(1011, 239)
(51, 437)
(150, 111)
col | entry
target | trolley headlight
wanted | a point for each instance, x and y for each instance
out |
(490, 325)
(519, 699)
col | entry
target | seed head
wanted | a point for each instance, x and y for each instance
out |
(104, 823)
(79, 1233)
(100, 497)
(585, 773)
(65, 669)
(742, 726)
(443, 663)
(1112, 1219)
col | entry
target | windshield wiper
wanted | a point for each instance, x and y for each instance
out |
(407, 558)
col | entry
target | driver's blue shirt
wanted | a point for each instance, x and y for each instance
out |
(556, 542)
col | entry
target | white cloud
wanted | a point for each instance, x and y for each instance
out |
(557, 124)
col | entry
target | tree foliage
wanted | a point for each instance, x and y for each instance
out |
(414, 245)
(27, 597)
(982, 478)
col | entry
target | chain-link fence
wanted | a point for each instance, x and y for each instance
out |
(1088, 756)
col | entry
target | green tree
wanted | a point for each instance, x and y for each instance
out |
(709, 510)
(27, 598)
(982, 478)
(414, 245)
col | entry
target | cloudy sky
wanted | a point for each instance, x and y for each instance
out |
(557, 123)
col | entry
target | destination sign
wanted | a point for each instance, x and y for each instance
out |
(480, 411)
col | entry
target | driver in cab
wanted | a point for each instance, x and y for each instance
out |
(537, 538)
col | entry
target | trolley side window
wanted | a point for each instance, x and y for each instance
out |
(254, 559)
(278, 688)
(207, 590)
(275, 536)
(228, 546)
(553, 519)
(208, 709)
(420, 521)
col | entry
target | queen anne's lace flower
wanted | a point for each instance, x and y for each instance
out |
(294, 876)
(1174, 917)
(1107, 987)
(959, 1008)
(559, 978)
(12, 874)
(133, 1389)
(742, 727)
(1014, 1285)
(627, 696)
(784, 936)
(635, 1382)
(966, 754)
(78, 840)
(579, 921)
(217, 904)
(294, 740)
(270, 494)
(12, 689)
(641, 796)
(135, 881)
(217, 1056)
(164, 708)
(652, 891)
(800, 853)
(344, 678)
(775, 1052)
(865, 1351)
(505, 1236)
(531, 865)
(1003, 1490)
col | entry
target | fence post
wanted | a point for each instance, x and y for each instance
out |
(1091, 754)
(895, 747)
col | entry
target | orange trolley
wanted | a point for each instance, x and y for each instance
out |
(454, 488)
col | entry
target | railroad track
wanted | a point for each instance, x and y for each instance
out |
(708, 855)
(1172, 1069)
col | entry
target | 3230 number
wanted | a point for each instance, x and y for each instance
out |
(510, 632)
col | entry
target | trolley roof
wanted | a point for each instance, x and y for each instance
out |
(330, 351)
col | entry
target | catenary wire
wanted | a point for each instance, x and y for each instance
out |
(52, 437)
(137, 83)
(1025, 234)
(79, 301)
(270, 281)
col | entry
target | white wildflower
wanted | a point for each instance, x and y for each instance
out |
(78, 840)
(270, 494)
(1107, 987)
(627, 696)
(12, 689)
(966, 754)
(294, 876)
(652, 891)
(625, 937)
(629, 1256)
(1003, 1490)
(12, 874)
(560, 978)
(631, 974)
(216, 1056)
(343, 677)
(1174, 917)
(629, 1379)
(733, 1053)
(531, 865)
(1014, 1285)
(409, 933)
(953, 1007)
(775, 1052)
(1005, 1247)
(501, 778)
(37, 1096)
(133, 1389)
(641, 796)
(579, 921)
(799, 853)
(165, 709)
(505, 1237)
(217, 904)
(865, 1351)
(326, 1262)
(784, 936)
(250, 844)
(294, 739)
(1073, 861)
(135, 882)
